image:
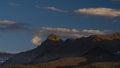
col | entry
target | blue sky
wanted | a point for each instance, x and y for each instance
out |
(25, 23)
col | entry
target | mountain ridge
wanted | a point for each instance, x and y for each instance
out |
(51, 49)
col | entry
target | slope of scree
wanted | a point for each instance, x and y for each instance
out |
(54, 48)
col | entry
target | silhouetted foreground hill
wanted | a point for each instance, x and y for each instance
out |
(5, 53)
(95, 48)
(69, 62)
(4, 56)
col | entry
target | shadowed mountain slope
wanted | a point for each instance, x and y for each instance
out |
(53, 48)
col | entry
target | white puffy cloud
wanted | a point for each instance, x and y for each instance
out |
(36, 40)
(63, 32)
(109, 12)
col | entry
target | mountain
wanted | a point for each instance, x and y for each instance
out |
(4, 56)
(93, 48)
(106, 37)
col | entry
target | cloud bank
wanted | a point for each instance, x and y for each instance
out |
(6, 22)
(99, 12)
(63, 32)
(107, 12)
(12, 26)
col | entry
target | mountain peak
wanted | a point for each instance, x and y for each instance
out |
(53, 37)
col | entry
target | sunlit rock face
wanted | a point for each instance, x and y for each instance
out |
(53, 37)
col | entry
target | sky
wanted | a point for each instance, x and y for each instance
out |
(24, 24)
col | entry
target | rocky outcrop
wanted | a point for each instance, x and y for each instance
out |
(53, 37)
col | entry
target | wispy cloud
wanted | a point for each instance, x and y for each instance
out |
(14, 4)
(109, 12)
(52, 8)
(6, 22)
(8, 26)
(63, 32)
(12, 26)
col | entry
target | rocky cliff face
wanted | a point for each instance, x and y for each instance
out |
(54, 48)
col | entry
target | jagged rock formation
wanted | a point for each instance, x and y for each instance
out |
(54, 48)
